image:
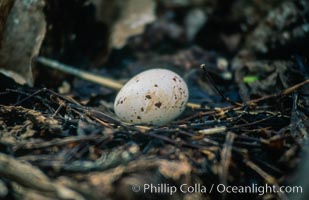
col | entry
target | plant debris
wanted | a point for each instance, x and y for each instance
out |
(17, 48)
(246, 123)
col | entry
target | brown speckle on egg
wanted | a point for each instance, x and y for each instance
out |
(158, 104)
(148, 96)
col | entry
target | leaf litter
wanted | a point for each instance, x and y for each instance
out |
(70, 145)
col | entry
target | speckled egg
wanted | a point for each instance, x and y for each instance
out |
(155, 96)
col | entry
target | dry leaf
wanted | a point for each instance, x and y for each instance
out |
(22, 37)
(194, 21)
(125, 18)
(5, 6)
(135, 15)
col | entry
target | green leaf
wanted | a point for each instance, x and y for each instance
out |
(250, 79)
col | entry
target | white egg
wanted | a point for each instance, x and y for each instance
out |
(155, 96)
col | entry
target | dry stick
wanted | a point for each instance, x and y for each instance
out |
(214, 130)
(268, 178)
(284, 92)
(211, 81)
(33, 178)
(113, 84)
(107, 82)
(226, 159)
(59, 142)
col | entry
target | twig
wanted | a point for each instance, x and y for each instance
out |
(62, 141)
(110, 83)
(282, 93)
(211, 81)
(226, 158)
(268, 178)
(214, 130)
(33, 178)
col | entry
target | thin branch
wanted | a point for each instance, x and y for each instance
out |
(110, 83)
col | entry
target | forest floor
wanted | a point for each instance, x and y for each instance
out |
(246, 124)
